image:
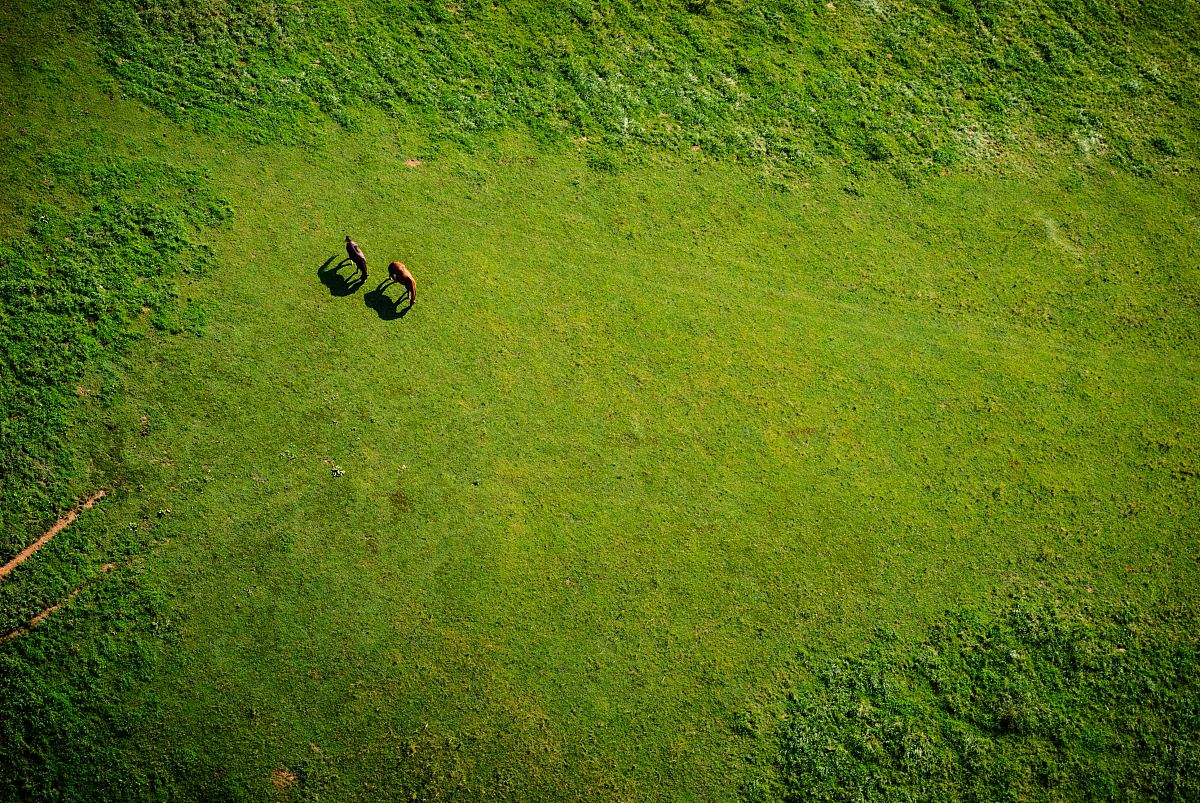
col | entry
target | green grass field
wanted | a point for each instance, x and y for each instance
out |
(669, 433)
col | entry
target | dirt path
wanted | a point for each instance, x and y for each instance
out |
(41, 617)
(58, 527)
(35, 621)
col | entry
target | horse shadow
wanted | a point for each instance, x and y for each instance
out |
(339, 285)
(384, 307)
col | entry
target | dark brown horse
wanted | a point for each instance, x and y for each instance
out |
(356, 256)
(400, 275)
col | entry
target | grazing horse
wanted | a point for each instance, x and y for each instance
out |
(400, 275)
(357, 256)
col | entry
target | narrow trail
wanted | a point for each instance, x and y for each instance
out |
(41, 617)
(35, 621)
(58, 527)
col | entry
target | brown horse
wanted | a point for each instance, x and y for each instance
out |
(400, 275)
(356, 256)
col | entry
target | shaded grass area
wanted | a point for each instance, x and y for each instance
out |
(1043, 702)
(916, 86)
(73, 689)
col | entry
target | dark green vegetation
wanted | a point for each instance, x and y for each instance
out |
(70, 289)
(75, 291)
(73, 691)
(657, 441)
(1038, 702)
(918, 86)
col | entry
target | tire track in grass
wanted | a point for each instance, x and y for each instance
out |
(1017, 340)
(975, 335)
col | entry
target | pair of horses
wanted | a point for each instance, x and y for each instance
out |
(396, 271)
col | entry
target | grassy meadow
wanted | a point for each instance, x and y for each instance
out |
(733, 450)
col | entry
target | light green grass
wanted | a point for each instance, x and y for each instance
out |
(646, 438)
(643, 439)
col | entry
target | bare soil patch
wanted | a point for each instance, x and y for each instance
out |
(283, 778)
(401, 502)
